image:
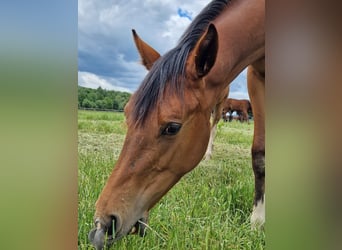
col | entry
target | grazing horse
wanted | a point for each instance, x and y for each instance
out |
(231, 117)
(242, 108)
(167, 118)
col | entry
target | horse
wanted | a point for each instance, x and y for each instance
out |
(167, 118)
(231, 117)
(241, 107)
(149, 55)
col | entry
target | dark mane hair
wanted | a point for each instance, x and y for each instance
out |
(169, 67)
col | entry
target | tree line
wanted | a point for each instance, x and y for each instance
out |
(102, 99)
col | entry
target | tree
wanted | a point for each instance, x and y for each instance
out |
(87, 103)
(82, 94)
(99, 104)
(108, 103)
(100, 93)
(92, 96)
(102, 99)
(115, 105)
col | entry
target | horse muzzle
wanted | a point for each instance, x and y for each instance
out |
(103, 233)
(107, 233)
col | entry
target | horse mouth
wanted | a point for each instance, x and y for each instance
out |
(139, 228)
(103, 234)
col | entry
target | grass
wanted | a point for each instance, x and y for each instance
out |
(209, 208)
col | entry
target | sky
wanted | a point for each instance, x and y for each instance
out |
(107, 56)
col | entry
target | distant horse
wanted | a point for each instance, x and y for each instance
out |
(241, 107)
(230, 117)
(167, 118)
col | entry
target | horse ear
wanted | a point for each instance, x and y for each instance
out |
(206, 51)
(147, 53)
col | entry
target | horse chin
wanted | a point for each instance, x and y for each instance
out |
(139, 227)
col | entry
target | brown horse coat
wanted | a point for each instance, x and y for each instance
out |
(241, 107)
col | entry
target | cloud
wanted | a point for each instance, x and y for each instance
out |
(89, 80)
(105, 45)
(174, 25)
(107, 56)
(238, 95)
(238, 88)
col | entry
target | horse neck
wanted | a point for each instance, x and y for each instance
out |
(241, 40)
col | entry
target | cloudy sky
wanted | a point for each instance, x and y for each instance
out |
(107, 56)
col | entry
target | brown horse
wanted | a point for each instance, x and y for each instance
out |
(231, 117)
(241, 107)
(168, 116)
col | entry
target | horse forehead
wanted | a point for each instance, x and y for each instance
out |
(170, 106)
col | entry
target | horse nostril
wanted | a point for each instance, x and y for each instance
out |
(114, 226)
(114, 222)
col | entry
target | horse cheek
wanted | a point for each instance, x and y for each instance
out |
(197, 147)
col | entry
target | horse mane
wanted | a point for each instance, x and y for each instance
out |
(169, 67)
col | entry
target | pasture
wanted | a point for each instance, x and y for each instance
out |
(209, 208)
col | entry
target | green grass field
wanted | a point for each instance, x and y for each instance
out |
(209, 208)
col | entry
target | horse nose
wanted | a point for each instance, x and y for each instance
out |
(97, 238)
(102, 227)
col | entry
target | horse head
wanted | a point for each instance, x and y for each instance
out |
(168, 132)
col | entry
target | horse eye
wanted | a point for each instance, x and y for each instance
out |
(171, 128)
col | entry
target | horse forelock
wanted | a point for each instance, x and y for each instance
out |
(169, 70)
